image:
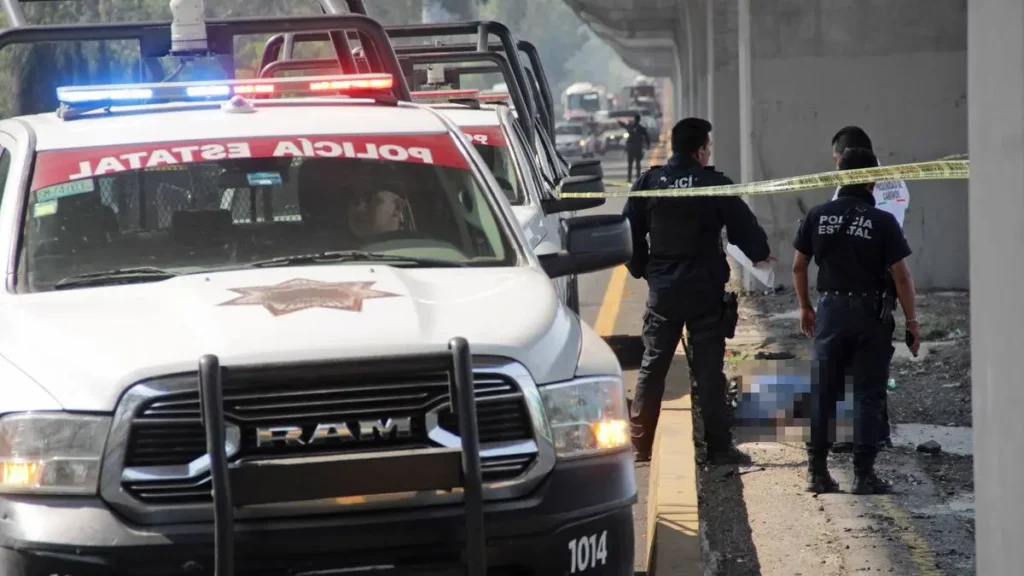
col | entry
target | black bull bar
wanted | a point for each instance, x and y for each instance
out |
(275, 481)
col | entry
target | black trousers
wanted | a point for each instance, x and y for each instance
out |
(851, 340)
(634, 157)
(662, 332)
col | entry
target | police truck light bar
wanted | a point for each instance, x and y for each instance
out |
(125, 94)
(495, 97)
(427, 96)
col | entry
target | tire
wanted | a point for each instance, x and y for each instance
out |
(573, 295)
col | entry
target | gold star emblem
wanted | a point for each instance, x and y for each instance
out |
(300, 294)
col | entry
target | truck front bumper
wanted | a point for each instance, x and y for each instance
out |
(581, 514)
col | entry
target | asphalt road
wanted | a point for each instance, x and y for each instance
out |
(621, 326)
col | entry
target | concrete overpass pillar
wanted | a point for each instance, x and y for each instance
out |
(709, 78)
(697, 28)
(995, 79)
(691, 105)
(744, 56)
(680, 82)
(746, 96)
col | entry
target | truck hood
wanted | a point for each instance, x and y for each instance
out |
(86, 346)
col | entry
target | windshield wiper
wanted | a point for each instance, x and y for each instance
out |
(119, 276)
(339, 256)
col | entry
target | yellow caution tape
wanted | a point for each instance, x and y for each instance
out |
(936, 170)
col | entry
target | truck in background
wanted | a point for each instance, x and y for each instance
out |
(584, 101)
(643, 94)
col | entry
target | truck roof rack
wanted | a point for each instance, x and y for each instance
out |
(536, 84)
(16, 16)
(354, 7)
(333, 477)
(539, 92)
(154, 39)
(496, 64)
(534, 72)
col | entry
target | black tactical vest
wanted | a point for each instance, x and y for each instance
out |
(679, 227)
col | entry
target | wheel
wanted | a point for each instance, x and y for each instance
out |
(573, 294)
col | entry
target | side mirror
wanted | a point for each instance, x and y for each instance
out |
(588, 183)
(587, 168)
(593, 243)
(570, 204)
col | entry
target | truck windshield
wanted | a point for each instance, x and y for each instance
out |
(188, 207)
(491, 145)
(590, 102)
(569, 130)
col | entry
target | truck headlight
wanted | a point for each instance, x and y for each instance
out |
(587, 415)
(51, 453)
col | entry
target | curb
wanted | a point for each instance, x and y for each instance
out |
(673, 524)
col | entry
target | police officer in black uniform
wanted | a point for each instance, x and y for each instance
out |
(853, 243)
(855, 137)
(686, 273)
(637, 140)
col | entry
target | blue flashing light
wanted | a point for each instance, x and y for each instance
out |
(72, 96)
(208, 91)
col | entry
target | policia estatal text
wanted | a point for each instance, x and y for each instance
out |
(686, 272)
(853, 243)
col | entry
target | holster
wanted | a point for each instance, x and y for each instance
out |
(730, 314)
(887, 299)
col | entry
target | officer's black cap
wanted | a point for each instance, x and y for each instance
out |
(855, 158)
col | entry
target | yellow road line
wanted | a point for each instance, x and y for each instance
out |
(920, 553)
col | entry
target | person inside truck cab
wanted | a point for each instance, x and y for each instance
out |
(379, 212)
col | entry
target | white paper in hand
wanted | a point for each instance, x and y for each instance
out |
(763, 271)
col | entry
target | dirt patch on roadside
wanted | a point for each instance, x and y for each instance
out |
(729, 549)
(936, 388)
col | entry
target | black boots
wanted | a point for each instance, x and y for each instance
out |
(819, 481)
(865, 481)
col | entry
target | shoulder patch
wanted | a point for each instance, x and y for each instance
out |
(649, 172)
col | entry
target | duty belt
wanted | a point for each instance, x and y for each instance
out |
(834, 293)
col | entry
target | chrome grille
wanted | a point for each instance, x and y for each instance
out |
(192, 491)
(166, 430)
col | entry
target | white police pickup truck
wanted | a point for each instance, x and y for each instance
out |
(362, 235)
(498, 138)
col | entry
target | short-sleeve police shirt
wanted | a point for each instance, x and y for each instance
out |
(853, 244)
